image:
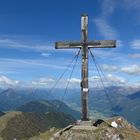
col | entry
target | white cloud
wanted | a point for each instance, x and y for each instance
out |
(28, 63)
(108, 7)
(50, 82)
(74, 80)
(43, 81)
(119, 43)
(109, 68)
(108, 80)
(73, 83)
(133, 70)
(94, 81)
(102, 22)
(9, 43)
(94, 78)
(136, 55)
(106, 30)
(46, 54)
(117, 79)
(135, 44)
(5, 81)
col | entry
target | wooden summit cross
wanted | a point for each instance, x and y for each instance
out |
(84, 45)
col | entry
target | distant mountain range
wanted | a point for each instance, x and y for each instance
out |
(135, 95)
(12, 98)
(125, 101)
(21, 125)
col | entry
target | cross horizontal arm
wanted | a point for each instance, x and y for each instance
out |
(67, 45)
(102, 44)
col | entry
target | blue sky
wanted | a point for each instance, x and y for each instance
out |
(29, 28)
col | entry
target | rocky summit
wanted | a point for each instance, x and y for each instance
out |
(116, 128)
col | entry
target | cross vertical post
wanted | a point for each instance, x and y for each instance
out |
(84, 74)
(84, 45)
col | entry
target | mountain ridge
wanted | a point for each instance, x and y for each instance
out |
(43, 106)
(19, 125)
(1, 113)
